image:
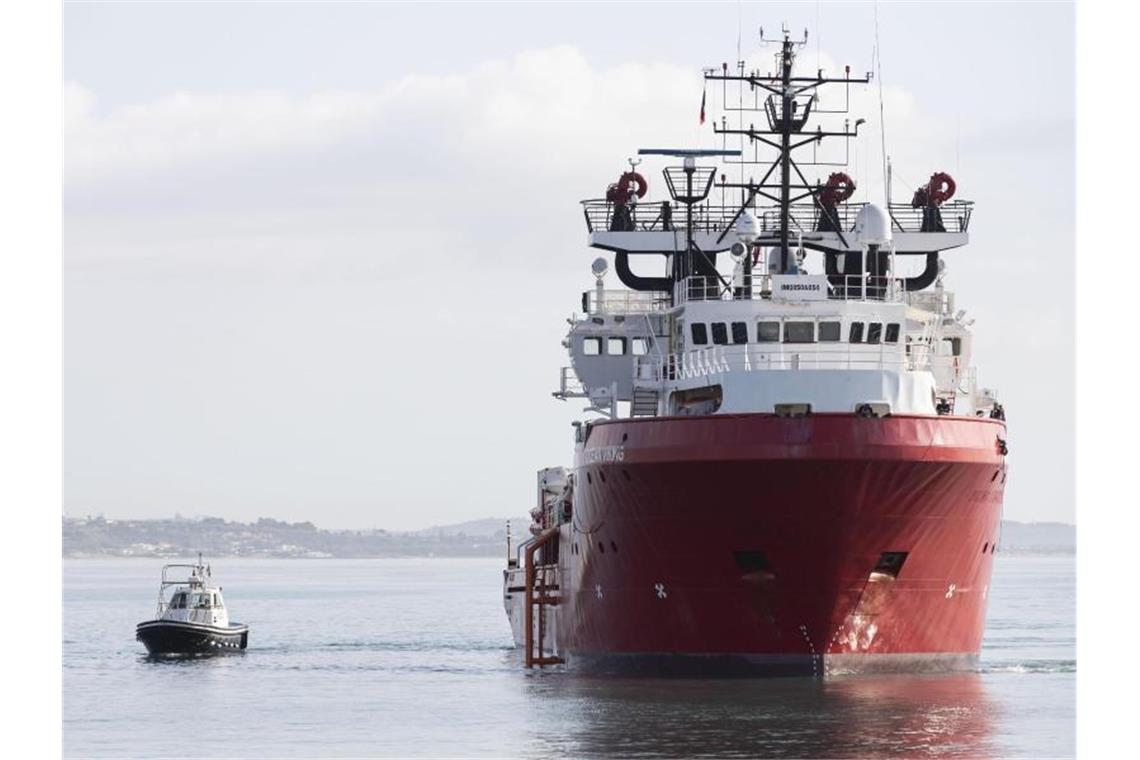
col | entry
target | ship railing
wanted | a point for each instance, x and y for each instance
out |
(654, 216)
(569, 386)
(719, 360)
(758, 286)
(953, 216)
(624, 301)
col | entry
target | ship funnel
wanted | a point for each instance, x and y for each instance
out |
(873, 226)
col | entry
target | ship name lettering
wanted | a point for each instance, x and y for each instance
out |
(605, 454)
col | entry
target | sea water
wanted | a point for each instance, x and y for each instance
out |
(414, 657)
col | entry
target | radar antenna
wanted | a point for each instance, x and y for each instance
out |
(790, 103)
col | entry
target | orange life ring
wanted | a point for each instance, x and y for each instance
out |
(839, 188)
(940, 188)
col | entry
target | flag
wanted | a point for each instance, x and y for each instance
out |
(703, 93)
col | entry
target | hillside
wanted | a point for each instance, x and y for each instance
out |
(215, 537)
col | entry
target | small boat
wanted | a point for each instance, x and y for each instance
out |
(194, 620)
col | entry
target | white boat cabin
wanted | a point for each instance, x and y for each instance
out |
(194, 600)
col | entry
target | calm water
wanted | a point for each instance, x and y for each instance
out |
(414, 657)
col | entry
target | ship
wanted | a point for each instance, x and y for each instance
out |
(779, 471)
(194, 620)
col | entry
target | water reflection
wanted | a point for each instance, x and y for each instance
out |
(899, 715)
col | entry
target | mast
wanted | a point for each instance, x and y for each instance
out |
(786, 58)
(790, 103)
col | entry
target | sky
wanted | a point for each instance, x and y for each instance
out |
(318, 257)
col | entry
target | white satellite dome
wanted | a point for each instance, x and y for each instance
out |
(872, 225)
(747, 227)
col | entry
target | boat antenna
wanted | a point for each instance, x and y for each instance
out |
(882, 118)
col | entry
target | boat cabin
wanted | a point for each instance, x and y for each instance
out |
(195, 599)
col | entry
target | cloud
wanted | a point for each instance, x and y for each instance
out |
(543, 114)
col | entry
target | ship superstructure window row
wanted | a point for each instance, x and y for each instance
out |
(793, 331)
(614, 346)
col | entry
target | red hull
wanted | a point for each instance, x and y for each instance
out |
(752, 539)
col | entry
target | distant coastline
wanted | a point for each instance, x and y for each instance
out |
(181, 537)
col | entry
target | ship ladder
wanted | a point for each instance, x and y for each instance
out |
(644, 402)
(538, 597)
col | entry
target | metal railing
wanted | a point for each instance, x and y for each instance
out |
(717, 360)
(569, 386)
(803, 217)
(625, 301)
(648, 217)
(853, 288)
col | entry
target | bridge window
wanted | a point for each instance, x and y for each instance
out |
(768, 332)
(892, 333)
(874, 332)
(700, 334)
(828, 332)
(639, 346)
(720, 333)
(856, 334)
(799, 332)
(739, 332)
(591, 346)
(615, 346)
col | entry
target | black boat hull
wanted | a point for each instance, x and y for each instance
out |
(172, 637)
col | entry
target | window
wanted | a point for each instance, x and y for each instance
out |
(828, 332)
(700, 334)
(639, 346)
(874, 332)
(720, 333)
(739, 332)
(856, 335)
(178, 602)
(217, 601)
(201, 601)
(591, 346)
(767, 332)
(615, 346)
(799, 332)
(892, 332)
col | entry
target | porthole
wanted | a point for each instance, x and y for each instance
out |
(589, 478)
(602, 475)
(601, 547)
(625, 475)
(613, 546)
(985, 547)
